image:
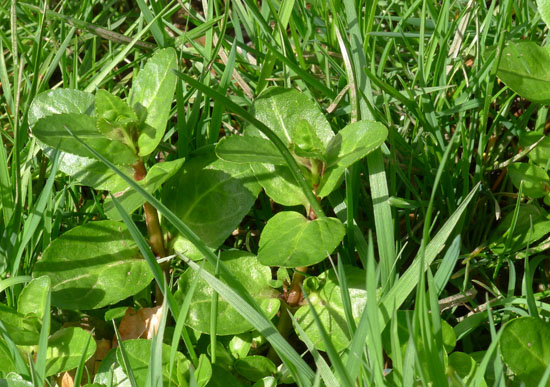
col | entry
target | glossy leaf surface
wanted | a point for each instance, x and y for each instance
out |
(524, 68)
(525, 348)
(151, 98)
(93, 265)
(253, 275)
(291, 240)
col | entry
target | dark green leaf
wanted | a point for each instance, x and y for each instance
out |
(93, 265)
(525, 348)
(255, 368)
(51, 131)
(291, 240)
(250, 273)
(524, 68)
(151, 98)
(461, 369)
(210, 195)
(532, 224)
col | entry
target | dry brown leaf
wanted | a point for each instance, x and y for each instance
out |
(142, 324)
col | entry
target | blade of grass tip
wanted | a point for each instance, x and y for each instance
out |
(36, 215)
(243, 301)
(20, 364)
(154, 370)
(335, 360)
(374, 338)
(236, 109)
(157, 273)
(214, 315)
(40, 363)
(257, 320)
(323, 368)
(81, 364)
(180, 321)
(447, 266)
(125, 362)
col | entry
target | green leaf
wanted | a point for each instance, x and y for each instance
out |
(223, 378)
(6, 361)
(351, 144)
(536, 183)
(255, 368)
(249, 149)
(60, 101)
(33, 297)
(151, 98)
(139, 354)
(325, 296)
(110, 373)
(211, 196)
(291, 240)
(305, 142)
(524, 68)
(22, 329)
(51, 131)
(525, 348)
(65, 348)
(93, 265)
(284, 110)
(254, 276)
(240, 345)
(539, 155)
(115, 119)
(544, 9)
(532, 224)
(354, 142)
(15, 380)
(268, 381)
(461, 369)
(130, 199)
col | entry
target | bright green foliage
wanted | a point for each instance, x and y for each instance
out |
(544, 9)
(65, 348)
(291, 240)
(249, 149)
(86, 276)
(525, 348)
(524, 68)
(250, 273)
(210, 195)
(532, 224)
(33, 296)
(326, 297)
(151, 96)
(536, 183)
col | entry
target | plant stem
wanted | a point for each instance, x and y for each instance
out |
(153, 226)
(295, 292)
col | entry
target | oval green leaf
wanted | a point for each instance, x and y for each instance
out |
(88, 171)
(151, 98)
(254, 276)
(93, 265)
(291, 240)
(325, 296)
(51, 131)
(211, 196)
(33, 297)
(536, 183)
(524, 68)
(65, 348)
(525, 348)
